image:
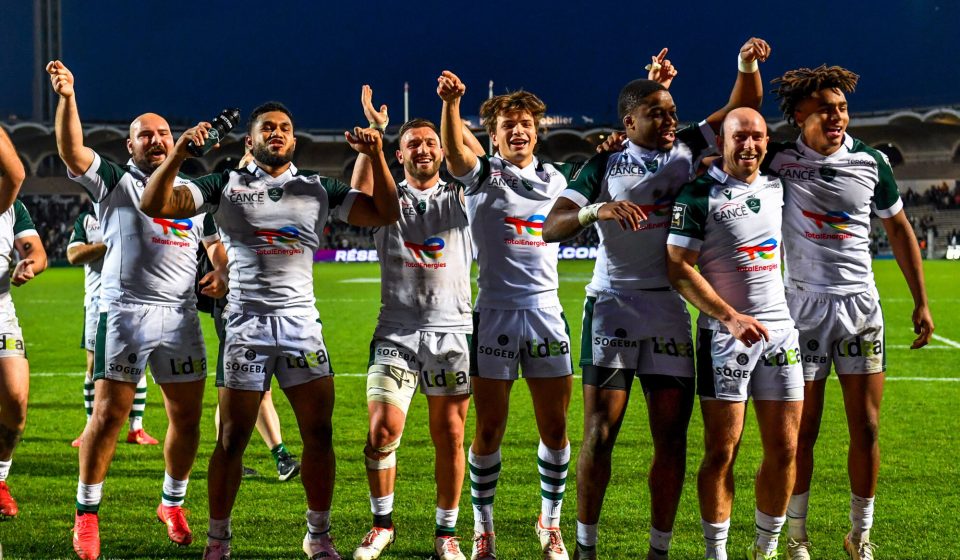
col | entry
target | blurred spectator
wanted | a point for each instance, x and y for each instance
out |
(54, 216)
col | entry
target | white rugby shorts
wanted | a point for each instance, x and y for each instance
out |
(769, 371)
(845, 331)
(131, 336)
(535, 342)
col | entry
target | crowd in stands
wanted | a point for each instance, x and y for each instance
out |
(53, 216)
(941, 196)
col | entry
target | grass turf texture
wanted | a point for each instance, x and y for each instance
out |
(917, 495)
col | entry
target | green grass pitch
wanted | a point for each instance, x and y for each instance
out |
(917, 504)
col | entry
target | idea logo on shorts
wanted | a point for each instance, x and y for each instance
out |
(188, 366)
(782, 357)
(547, 348)
(443, 378)
(307, 359)
(10, 343)
(859, 347)
(670, 347)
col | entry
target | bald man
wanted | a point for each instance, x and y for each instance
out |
(728, 223)
(148, 312)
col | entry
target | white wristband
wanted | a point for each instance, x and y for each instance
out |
(747, 67)
(589, 214)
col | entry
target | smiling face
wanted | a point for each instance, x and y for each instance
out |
(271, 139)
(515, 137)
(653, 123)
(420, 154)
(823, 120)
(150, 141)
(743, 143)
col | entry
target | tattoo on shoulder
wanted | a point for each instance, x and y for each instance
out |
(182, 199)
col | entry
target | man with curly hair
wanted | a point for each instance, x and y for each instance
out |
(832, 183)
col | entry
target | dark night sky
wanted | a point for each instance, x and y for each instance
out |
(189, 60)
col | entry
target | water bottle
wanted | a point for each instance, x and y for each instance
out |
(222, 125)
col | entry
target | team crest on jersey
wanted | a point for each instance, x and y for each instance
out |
(727, 193)
(753, 204)
(275, 193)
(828, 173)
(421, 207)
(652, 165)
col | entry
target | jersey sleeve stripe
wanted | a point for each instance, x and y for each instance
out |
(26, 233)
(891, 211)
(576, 197)
(680, 240)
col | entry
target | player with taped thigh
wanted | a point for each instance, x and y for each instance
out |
(728, 223)
(148, 313)
(17, 236)
(518, 321)
(833, 182)
(634, 324)
(271, 216)
(421, 338)
(86, 247)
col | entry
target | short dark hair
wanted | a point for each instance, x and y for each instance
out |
(268, 107)
(508, 103)
(633, 95)
(796, 85)
(417, 123)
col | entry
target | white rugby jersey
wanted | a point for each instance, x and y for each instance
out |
(634, 260)
(271, 227)
(86, 231)
(148, 260)
(826, 219)
(736, 228)
(507, 206)
(425, 261)
(14, 224)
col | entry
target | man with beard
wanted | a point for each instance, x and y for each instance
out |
(271, 216)
(728, 224)
(634, 324)
(833, 182)
(422, 333)
(148, 312)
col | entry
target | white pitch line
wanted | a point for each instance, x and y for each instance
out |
(946, 340)
(928, 346)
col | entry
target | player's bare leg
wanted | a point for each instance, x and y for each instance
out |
(386, 426)
(813, 399)
(184, 405)
(723, 427)
(14, 390)
(447, 417)
(551, 399)
(312, 403)
(668, 410)
(861, 398)
(491, 401)
(603, 413)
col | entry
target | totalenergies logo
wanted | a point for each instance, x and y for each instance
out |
(430, 249)
(835, 219)
(660, 207)
(765, 250)
(284, 235)
(533, 225)
(177, 228)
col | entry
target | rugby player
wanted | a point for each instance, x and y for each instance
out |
(422, 333)
(518, 321)
(148, 313)
(271, 216)
(86, 247)
(17, 233)
(634, 324)
(833, 181)
(728, 224)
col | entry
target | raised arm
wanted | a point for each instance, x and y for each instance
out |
(460, 158)
(904, 244)
(160, 198)
(694, 288)
(11, 172)
(748, 89)
(382, 207)
(362, 178)
(67, 125)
